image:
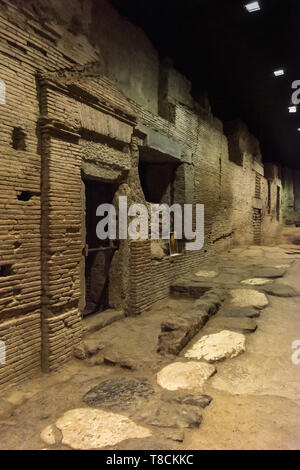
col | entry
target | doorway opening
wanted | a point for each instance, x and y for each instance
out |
(278, 203)
(98, 253)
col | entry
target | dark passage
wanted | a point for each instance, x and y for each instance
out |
(98, 253)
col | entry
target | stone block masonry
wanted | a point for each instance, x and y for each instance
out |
(73, 110)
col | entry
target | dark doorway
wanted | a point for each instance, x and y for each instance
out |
(98, 253)
(278, 204)
(157, 181)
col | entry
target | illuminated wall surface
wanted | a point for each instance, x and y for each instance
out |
(78, 107)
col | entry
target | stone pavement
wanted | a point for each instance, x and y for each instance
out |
(162, 378)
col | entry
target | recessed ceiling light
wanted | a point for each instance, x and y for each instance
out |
(279, 72)
(292, 109)
(253, 6)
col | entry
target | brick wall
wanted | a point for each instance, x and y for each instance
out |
(72, 103)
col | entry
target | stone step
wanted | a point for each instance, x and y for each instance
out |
(99, 320)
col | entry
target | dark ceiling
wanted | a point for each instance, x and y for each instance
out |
(232, 54)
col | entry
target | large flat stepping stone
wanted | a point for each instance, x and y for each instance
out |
(248, 298)
(268, 271)
(256, 281)
(86, 428)
(185, 375)
(240, 312)
(242, 325)
(219, 346)
(281, 290)
(118, 391)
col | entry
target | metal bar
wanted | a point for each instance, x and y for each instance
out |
(90, 250)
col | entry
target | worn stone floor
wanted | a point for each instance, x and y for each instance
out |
(242, 392)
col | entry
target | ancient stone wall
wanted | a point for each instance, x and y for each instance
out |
(297, 196)
(85, 97)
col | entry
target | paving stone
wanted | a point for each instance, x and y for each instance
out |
(240, 312)
(185, 375)
(256, 281)
(149, 444)
(51, 435)
(119, 391)
(248, 297)
(118, 359)
(186, 398)
(242, 325)
(219, 346)
(86, 428)
(281, 290)
(172, 416)
(268, 271)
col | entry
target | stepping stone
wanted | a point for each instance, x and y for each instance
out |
(86, 428)
(269, 272)
(242, 325)
(171, 416)
(185, 398)
(119, 391)
(185, 375)
(51, 435)
(219, 346)
(281, 290)
(248, 298)
(256, 281)
(241, 312)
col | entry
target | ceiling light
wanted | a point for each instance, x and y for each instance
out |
(279, 72)
(292, 109)
(253, 6)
